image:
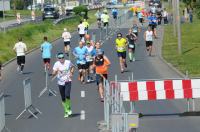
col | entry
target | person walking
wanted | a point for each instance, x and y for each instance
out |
(64, 70)
(101, 64)
(121, 44)
(165, 16)
(191, 15)
(20, 48)
(46, 48)
(148, 37)
(131, 37)
(80, 52)
(66, 37)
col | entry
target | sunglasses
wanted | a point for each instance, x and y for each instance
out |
(61, 58)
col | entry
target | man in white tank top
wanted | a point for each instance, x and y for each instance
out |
(148, 37)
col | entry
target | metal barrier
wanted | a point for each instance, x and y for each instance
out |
(2, 114)
(125, 122)
(46, 88)
(28, 100)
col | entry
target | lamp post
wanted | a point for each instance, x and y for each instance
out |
(178, 26)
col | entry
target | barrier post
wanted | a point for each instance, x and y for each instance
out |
(27, 99)
(46, 88)
(2, 114)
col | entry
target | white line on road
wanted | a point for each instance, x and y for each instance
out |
(82, 94)
(82, 117)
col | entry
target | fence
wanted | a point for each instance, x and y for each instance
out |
(2, 114)
(28, 100)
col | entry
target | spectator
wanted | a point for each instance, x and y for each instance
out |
(191, 15)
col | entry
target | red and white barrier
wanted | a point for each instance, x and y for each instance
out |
(157, 90)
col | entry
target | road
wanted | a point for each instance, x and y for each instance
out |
(160, 116)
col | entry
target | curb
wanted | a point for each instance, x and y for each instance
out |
(169, 64)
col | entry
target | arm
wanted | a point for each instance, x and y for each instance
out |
(25, 48)
(145, 36)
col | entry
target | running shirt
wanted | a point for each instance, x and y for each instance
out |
(152, 20)
(102, 69)
(81, 54)
(89, 57)
(131, 38)
(81, 29)
(149, 35)
(86, 24)
(135, 28)
(66, 36)
(105, 18)
(20, 48)
(121, 44)
(140, 15)
(46, 48)
(63, 69)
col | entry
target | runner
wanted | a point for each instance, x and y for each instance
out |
(86, 24)
(81, 31)
(140, 17)
(148, 37)
(101, 64)
(80, 53)
(98, 16)
(64, 70)
(89, 61)
(105, 18)
(121, 44)
(153, 23)
(20, 49)
(66, 37)
(135, 28)
(131, 45)
(46, 48)
(114, 13)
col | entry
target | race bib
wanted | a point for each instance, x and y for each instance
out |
(131, 46)
(120, 48)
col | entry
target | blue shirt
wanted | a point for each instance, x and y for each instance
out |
(46, 48)
(140, 15)
(80, 54)
(152, 20)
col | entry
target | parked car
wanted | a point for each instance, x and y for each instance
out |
(50, 12)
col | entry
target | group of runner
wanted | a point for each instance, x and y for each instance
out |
(91, 62)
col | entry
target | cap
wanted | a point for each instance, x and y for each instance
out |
(119, 35)
(60, 55)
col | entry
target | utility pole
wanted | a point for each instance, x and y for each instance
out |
(3, 11)
(174, 16)
(178, 26)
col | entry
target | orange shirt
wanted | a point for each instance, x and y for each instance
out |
(104, 68)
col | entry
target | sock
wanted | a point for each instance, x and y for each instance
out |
(130, 55)
(64, 106)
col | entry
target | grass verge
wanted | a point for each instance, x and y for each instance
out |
(189, 59)
(32, 34)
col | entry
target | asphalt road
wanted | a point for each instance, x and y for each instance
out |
(160, 116)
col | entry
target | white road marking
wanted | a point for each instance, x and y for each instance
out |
(82, 94)
(82, 117)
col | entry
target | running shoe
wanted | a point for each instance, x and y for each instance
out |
(66, 115)
(18, 68)
(69, 112)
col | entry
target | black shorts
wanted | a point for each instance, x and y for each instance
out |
(81, 35)
(149, 43)
(46, 60)
(82, 66)
(98, 19)
(153, 26)
(114, 16)
(88, 64)
(122, 54)
(20, 60)
(66, 43)
(105, 24)
(141, 20)
(99, 78)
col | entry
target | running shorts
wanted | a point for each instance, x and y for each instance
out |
(88, 64)
(66, 43)
(122, 54)
(149, 43)
(141, 20)
(20, 60)
(99, 78)
(46, 60)
(82, 66)
(81, 35)
(105, 24)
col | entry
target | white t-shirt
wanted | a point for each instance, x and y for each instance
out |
(89, 57)
(20, 48)
(66, 36)
(81, 28)
(165, 14)
(149, 35)
(63, 71)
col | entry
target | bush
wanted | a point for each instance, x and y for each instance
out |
(79, 9)
(197, 9)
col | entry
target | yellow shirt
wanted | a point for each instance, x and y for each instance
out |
(121, 44)
(86, 24)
